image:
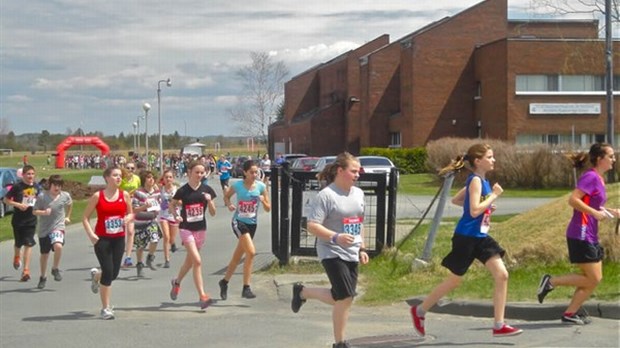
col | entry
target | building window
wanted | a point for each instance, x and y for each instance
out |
(478, 91)
(563, 83)
(552, 139)
(395, 139)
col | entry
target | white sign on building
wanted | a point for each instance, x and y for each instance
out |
(565, 108)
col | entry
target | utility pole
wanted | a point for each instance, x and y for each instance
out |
(609, 79)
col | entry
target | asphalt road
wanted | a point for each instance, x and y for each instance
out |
(66, 313)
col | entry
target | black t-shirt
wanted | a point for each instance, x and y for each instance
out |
(24, 193)
(194, 206)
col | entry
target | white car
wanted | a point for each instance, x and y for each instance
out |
(322, 162)
(375, 164)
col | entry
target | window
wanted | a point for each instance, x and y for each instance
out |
(580, 83)
(563, 83)
(395, 139)
(537, 83)
(553, 139)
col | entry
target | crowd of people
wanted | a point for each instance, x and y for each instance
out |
(137, 210)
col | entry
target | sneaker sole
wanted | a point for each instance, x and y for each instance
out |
(508, 334)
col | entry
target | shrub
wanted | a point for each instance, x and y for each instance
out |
(408, 161)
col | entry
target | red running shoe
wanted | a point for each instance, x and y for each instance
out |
(506, 330)
(418, 322)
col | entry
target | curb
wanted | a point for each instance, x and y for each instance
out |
(520, 310)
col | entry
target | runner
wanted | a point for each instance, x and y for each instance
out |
(588, 202)
(146, 204)
(114, 213)
(169, 225)
(54, 210)
(224, 167)
(194, 199)
(250, 194)
(471, 241)
(23, 196)
(336, 219)
(130, 183)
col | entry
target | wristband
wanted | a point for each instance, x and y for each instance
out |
(335, 238)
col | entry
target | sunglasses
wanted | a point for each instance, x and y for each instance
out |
(131, 168)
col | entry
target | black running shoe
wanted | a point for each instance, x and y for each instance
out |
(247, 292)
(574, 319)
(223, 289)
(297, 301)
(544, 287)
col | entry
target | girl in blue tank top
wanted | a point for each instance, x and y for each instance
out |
(471, 241)
(251, 193)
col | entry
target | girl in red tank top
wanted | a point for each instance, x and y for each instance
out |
(110, 216)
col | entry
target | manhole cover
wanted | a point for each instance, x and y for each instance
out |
(389, 341)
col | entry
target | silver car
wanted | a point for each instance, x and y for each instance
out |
(375, 164)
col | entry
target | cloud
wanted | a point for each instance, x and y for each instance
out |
(19, 98)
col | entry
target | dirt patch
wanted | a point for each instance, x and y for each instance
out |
(79, 190)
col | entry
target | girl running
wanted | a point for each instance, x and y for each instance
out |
(471, 241)
(194, 199)
(146, 203)
(250, 194)
(114, 213)
(169, 225)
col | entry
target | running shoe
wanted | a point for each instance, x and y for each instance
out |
(205, 302)
(56, 274)
(107, 314)
(17, 263)
(224, 289)
(166, 264)
(343, 344)
(173, 247)
(506, 330)
(25, 276)
(418, 322)
(297, 301)
(176, 288)
(247, 292)
(128, 262)
(140, 270)
(94, 283)
(575, 319)
(42, 282)
(544, 287)
(149, 261)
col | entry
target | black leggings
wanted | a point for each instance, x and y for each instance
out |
(109, 252)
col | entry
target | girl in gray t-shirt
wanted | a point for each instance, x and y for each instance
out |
(337, 221)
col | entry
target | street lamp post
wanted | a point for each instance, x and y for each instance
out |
(146, 107)
(135, 148)
(161, 149)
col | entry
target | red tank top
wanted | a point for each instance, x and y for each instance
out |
(110, 216)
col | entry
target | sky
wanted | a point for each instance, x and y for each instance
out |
(69, 64)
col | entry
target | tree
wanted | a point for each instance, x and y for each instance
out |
(596, 8)
(44, 139)
(263, 89)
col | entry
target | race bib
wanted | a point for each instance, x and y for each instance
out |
(29, 200)
(153, 205)
(247, 209)
(194, 212)
(57, 237)
(114, 225)
(486, 222)
(353, 226)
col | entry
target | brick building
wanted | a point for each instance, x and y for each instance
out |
(474, 74)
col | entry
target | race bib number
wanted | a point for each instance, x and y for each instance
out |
(29, 200)
(114, 225)
(353, 225)
(195, 212)
(57, 237)
(153, 205)
(247, 209)
(486, 222)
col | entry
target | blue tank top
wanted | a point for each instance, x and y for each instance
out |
(248, 201)
(477, 227)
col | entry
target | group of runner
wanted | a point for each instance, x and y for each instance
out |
(336, 219)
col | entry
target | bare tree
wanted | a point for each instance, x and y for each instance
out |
(4, 126)
(263, 89)
(596, 8)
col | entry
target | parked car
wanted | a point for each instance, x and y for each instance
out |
(291, 157)
(8, 178)
(322, 162)
(304, 164)
(375, 164)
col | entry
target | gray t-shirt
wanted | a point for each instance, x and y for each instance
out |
(341, 212)
(56, 220)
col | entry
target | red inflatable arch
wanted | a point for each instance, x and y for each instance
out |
(71, 141)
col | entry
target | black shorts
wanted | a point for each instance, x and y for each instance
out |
(467, 249)
(240, 228)
(24, 235)
(580, 251)
(224, 182)
(146, 234)
(46, 244)
(342, 276)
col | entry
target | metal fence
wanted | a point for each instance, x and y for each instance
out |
(291, 194)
